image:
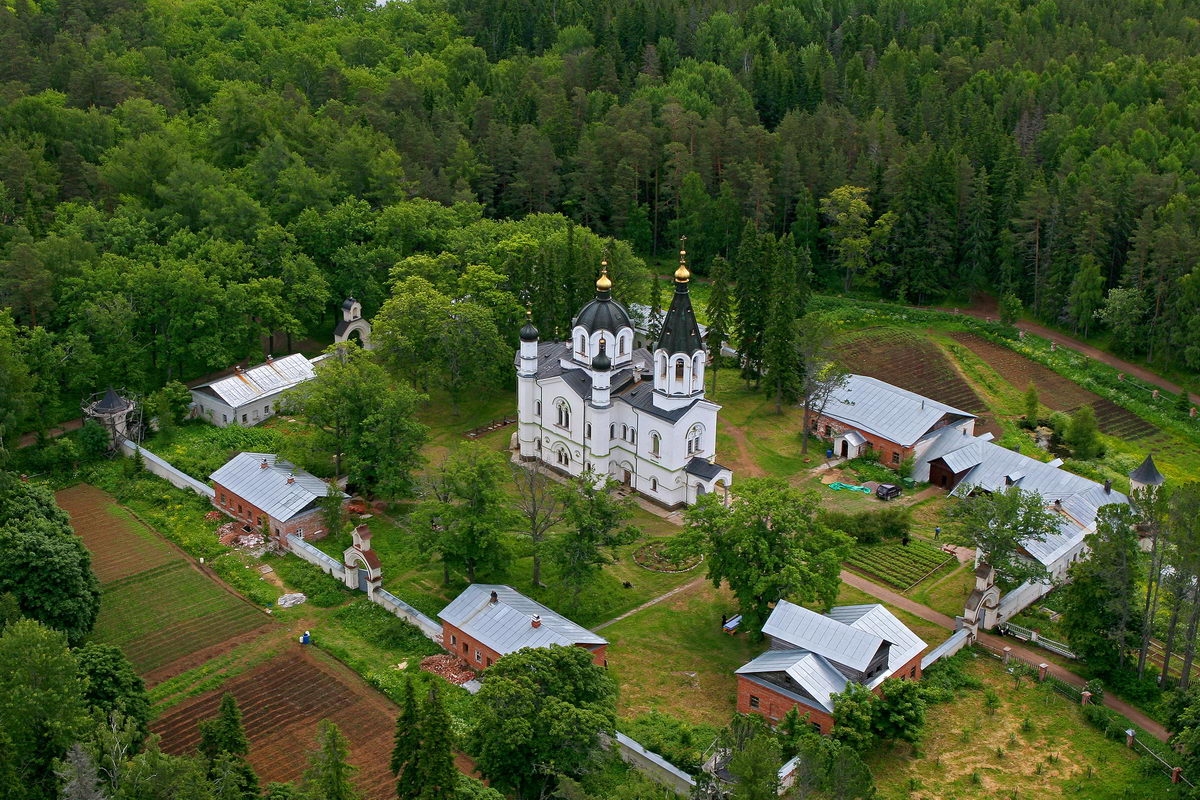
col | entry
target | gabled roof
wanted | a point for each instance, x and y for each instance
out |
(505, 626)
(887, 411)
(267, 488)
(877, 620)
(844, 634)
(816, 677)
(257, 382)
(1077, 499)
(826, 636)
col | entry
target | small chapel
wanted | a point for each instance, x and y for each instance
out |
(597, 403)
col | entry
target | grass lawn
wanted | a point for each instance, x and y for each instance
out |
(947, 591)
(674, 658)
(1035, 744)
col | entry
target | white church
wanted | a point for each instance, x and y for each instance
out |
(596, 403)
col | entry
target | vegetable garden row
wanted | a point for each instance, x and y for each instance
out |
(898, 565)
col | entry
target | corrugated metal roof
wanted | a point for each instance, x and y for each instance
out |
(265, 379)
(819, 679)
(963, 458)
(505, 625)
(268, 489)
(824, 635)
(887, 411)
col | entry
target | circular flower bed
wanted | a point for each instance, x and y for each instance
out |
(653, 556)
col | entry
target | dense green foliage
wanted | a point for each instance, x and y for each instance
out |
(179, 181)
(38, 550)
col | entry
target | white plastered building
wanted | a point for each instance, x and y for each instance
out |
(596, 403)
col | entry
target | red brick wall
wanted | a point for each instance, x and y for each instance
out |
(880, 445)
(309, 522)
(773, 705)
(453, 640)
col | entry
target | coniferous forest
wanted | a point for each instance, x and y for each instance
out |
(180, 179)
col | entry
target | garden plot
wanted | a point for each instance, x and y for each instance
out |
(119, 543)
(282, 701)
(898, 565)
(1055, 391)
(911, 361)
(155, 605)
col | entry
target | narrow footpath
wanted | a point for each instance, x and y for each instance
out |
(999, 643)
(648, 603)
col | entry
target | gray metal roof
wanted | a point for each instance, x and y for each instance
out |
(505, 626)
(268, 488)
(703, 468)
(887, 411)
(1079, 499)
(1146, 473)
(823, 635)
(878, 621)
(814, 674)
(261, 381)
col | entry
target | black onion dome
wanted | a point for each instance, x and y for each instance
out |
(601, 362)
(528, 332)
(603, 314)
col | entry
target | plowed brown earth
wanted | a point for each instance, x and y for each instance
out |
(120, 545)
(282, 701)
(1055, 391)
(912, 362)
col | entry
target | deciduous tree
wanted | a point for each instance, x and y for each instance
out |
(541, 713)
(768, 546)
(997, 523)
(541, 507)
(595, 526)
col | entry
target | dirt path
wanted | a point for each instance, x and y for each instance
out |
(745, 464)
(999, 643)
(648, 603)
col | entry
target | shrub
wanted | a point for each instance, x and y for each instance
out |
(375, 625)
(677, 741)
(871, 527)
(944, 679)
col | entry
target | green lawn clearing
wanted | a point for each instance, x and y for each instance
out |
(1034, 744)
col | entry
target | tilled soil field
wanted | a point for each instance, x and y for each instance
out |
(911, 361)
(120, 545)
(282, 701)
(1055, 391)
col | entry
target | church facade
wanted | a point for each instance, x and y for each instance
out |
(597, 403)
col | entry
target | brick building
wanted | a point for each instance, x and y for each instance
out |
(868, 414)
(270, 496)
(814, 656)
(488, 621)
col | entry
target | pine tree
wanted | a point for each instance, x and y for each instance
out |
(438, 775)
(753, 270)
(781, 364)
(407, 747)
(329, 775)
(720, 314)
(224, 733)
(979, 238)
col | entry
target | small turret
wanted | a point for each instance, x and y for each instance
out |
(601, 368)
(529, 347)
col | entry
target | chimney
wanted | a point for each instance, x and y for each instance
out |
(536, 621)
(1058, 503)
(291, 479)
(270, 358)
(264, 464)
(1108, 487)
(495, 597)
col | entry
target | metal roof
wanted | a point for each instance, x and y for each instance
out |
(703, 468)
(1078, 498)
(854, 438)
(815, 675)
(680, 332)
(267, 488)
(877, 620)
(887, 411)
(826, 636)
(261, 381)
(1147, 474)
(505, 626)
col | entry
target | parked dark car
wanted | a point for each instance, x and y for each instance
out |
(887, 491)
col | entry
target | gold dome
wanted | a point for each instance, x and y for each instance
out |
(603, 284)
(682, 275)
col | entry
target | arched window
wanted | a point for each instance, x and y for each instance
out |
(581, 345)
(622, 344)
(655, 444)
(564, 414)
(537, 408)
(563, 457)
(588, 431)
(654, 484)
(679, 370)
(693, 439)
(612, 431)
(663, 367)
